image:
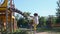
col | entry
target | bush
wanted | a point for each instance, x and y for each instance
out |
(20, 32)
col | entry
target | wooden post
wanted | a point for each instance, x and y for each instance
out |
(6, 21)
(11, 23)
(11, 16)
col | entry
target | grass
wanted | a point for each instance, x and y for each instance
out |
(54, 29)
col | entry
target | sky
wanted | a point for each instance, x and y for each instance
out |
(42, 7)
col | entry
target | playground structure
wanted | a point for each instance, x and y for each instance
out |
(7, 19)
(8, 22)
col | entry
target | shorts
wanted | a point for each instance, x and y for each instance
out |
(35, 25)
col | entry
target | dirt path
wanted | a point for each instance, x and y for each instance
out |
(42, 33)
(48, 33)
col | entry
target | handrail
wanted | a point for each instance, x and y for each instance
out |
(18, 11)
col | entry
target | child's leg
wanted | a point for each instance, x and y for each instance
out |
(35, 28)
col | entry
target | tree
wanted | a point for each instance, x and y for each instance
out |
(17, 17)
(42, 21)
(28, 13)
(58, 12)
(23, 21)
(51, 18)
(50, 21)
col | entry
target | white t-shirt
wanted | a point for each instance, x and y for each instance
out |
(36, 20)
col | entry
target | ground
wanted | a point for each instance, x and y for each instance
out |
(45, 32)
(48, 33)
(42, 33)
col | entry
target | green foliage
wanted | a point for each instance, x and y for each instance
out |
(20, 32)
(54, 29)
(23, 21)
(27, 13)
(52, 19)
(17, 17)
(58, 12)
(58, 20)
(42, 21)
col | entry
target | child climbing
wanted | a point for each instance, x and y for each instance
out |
(36, 21)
